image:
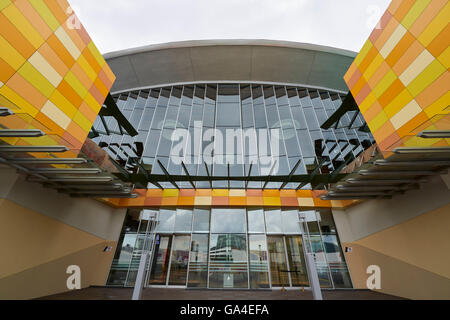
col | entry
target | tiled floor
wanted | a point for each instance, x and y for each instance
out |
(101, 293)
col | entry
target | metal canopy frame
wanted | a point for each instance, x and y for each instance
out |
(143, 179)
(349, 104)
(110, 109)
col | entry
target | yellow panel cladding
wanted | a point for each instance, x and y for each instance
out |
(87, 68)
(416, 67)
(82, 121)
(13, 97)
(97, 55)
(415, 11)
(398, 103)
(62, 35)
(4, 4)
(444, 58)
(368, 102)
(364, 51)
(76, 85)
(423, 80)
(23, 25)
(10, 55)
(385, 83)
(45, 13)
(54, 113)
(436, 26)
(373, 67)
(92, 103)
(390, 44)
(42, 65)
(59, 100)
(404, 115)
(377, 122)
(438, 106)
(44, 74)
(29, 73)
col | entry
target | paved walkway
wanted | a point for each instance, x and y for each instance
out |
(101, 293)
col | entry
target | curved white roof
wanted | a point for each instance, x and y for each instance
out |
(265, 61)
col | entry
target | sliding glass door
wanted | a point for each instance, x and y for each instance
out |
(228, 261)
(161, 259)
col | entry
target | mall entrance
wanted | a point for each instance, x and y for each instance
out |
(229, 248)
(227, 261)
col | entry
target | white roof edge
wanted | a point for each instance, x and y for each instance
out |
(230, 42)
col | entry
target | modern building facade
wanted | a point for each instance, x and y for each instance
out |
(267, 124)
(228, 161)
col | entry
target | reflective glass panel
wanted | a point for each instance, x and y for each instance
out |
(228, 261)
(321, 262)
(160, 260)
(179, 261)
(198, 264)
(183, 220)
(255, 220)
(166, 220)
(259, 269)
(297, 265)
(228, 220)
(273, 221)
(277, 258)
(201, 220)
(291, 224)
(338, 267)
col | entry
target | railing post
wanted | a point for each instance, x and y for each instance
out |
(313, 276)
(139, 284)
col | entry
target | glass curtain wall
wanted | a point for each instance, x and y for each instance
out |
(229, 248)
(296, 112)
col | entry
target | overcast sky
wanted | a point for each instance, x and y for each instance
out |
(122, 24)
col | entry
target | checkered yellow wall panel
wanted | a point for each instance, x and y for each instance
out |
(229, 198)
(50, 69)
(400, 78)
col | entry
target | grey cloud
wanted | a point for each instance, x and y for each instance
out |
(121, 24)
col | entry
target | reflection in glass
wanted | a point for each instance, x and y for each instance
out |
(259, 276)
(338, 267)
(198, 264)
(160, 260)
(273, 221)
(183, 220)
(166, 220)
(122, 259)
(179, 261)
(201, 220)
(291, 223)
(321, 262)
(228, 261)
(255, 220)
(228, 220)
(277, 257)
(297, 264)
(141, 241)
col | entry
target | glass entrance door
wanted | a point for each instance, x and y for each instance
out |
(228, 261)
(179, 260)
(297, 264)
(287, 261)
(277, 258)
(161, 259)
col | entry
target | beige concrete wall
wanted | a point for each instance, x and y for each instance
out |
(408, 237)
(43, 232)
